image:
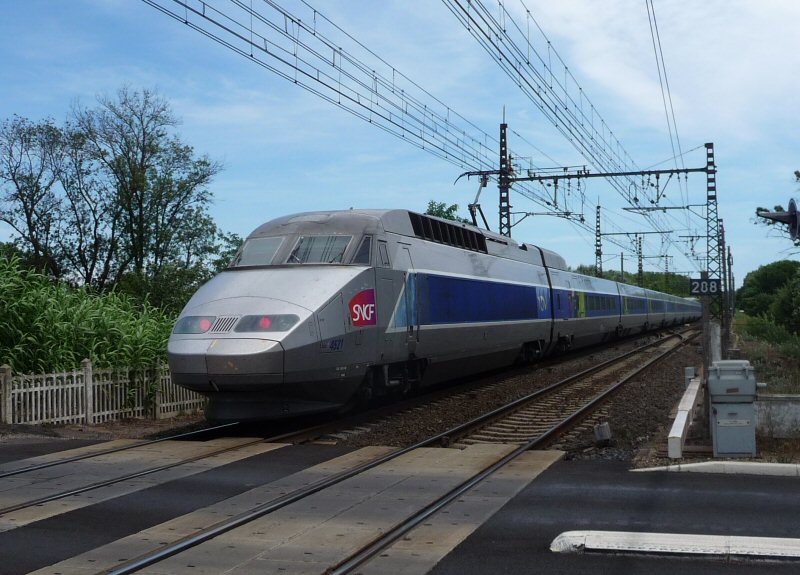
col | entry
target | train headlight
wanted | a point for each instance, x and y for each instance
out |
(272, 322)
(194, 324)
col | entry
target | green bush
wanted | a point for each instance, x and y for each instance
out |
(760, 286)
(47, 326)
(765, 329)
(785, 307)
(773, 350)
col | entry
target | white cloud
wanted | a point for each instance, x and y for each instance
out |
(728, 63)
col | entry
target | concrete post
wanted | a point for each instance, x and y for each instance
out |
(88, 389)
(706, 353)
(715, 350)
(689, 374)
(6, 414)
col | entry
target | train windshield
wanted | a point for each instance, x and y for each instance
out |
(319, 250)
(257, 252)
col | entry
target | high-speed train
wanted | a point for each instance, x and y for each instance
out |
(318, 310)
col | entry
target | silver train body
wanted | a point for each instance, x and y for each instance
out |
(320, 309)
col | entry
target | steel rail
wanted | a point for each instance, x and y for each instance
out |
(111, 450)
(510, 407)
(129, 476)
(106, 483)
(146, 559)
(386, 539)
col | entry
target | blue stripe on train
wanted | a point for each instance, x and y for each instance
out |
(459, 300)
(434, 300)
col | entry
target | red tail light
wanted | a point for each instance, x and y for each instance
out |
(194, 324)
(271, 322)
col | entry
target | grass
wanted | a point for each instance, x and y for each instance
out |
(49, 326)
(772, 350)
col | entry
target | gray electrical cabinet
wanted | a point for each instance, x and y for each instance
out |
(732, 392)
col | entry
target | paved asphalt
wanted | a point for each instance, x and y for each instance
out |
(587, 495)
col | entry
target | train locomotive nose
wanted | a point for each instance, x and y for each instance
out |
(235, 364)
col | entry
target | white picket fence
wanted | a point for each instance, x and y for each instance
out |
(89, 396)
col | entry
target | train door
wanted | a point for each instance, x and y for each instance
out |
(406, 314)
(396, 285)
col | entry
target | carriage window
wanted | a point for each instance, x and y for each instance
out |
(319, 250)
(364, 252)
(257, 252)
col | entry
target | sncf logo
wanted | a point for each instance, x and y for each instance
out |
(362, 308)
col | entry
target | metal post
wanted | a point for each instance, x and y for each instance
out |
(706, 354)
(504, 185)
(725, 323)
(712, 230)
(88, 390)
(731, 285)
(641, 258)
(706, 332)
(598, 245)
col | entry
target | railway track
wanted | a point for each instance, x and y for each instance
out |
(103, 449)
(62, 482)
(404, 423)
(436, 479)
(541, 413)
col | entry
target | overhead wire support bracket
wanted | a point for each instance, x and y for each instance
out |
(584, 174)
(642, 209)
(566, 215)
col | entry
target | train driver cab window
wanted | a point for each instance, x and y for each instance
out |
(257, 252)
(319, 250)
(364, 252)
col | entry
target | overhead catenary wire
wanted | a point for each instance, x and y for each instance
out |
(309, 50)
(534, 74)
(666, 94)
(302, 49)
(296, 49)
(543, 86)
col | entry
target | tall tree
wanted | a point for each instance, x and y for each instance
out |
(760, 287)
(29, 155)
(784, 307)
(92, 216)
(112, 194)
(442, 210)
(156, 178)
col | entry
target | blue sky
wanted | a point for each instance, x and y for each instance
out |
(732, 68)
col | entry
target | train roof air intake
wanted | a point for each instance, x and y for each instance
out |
(455, 235)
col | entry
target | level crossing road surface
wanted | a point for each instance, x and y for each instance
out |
(514, 538)
(606, 496)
